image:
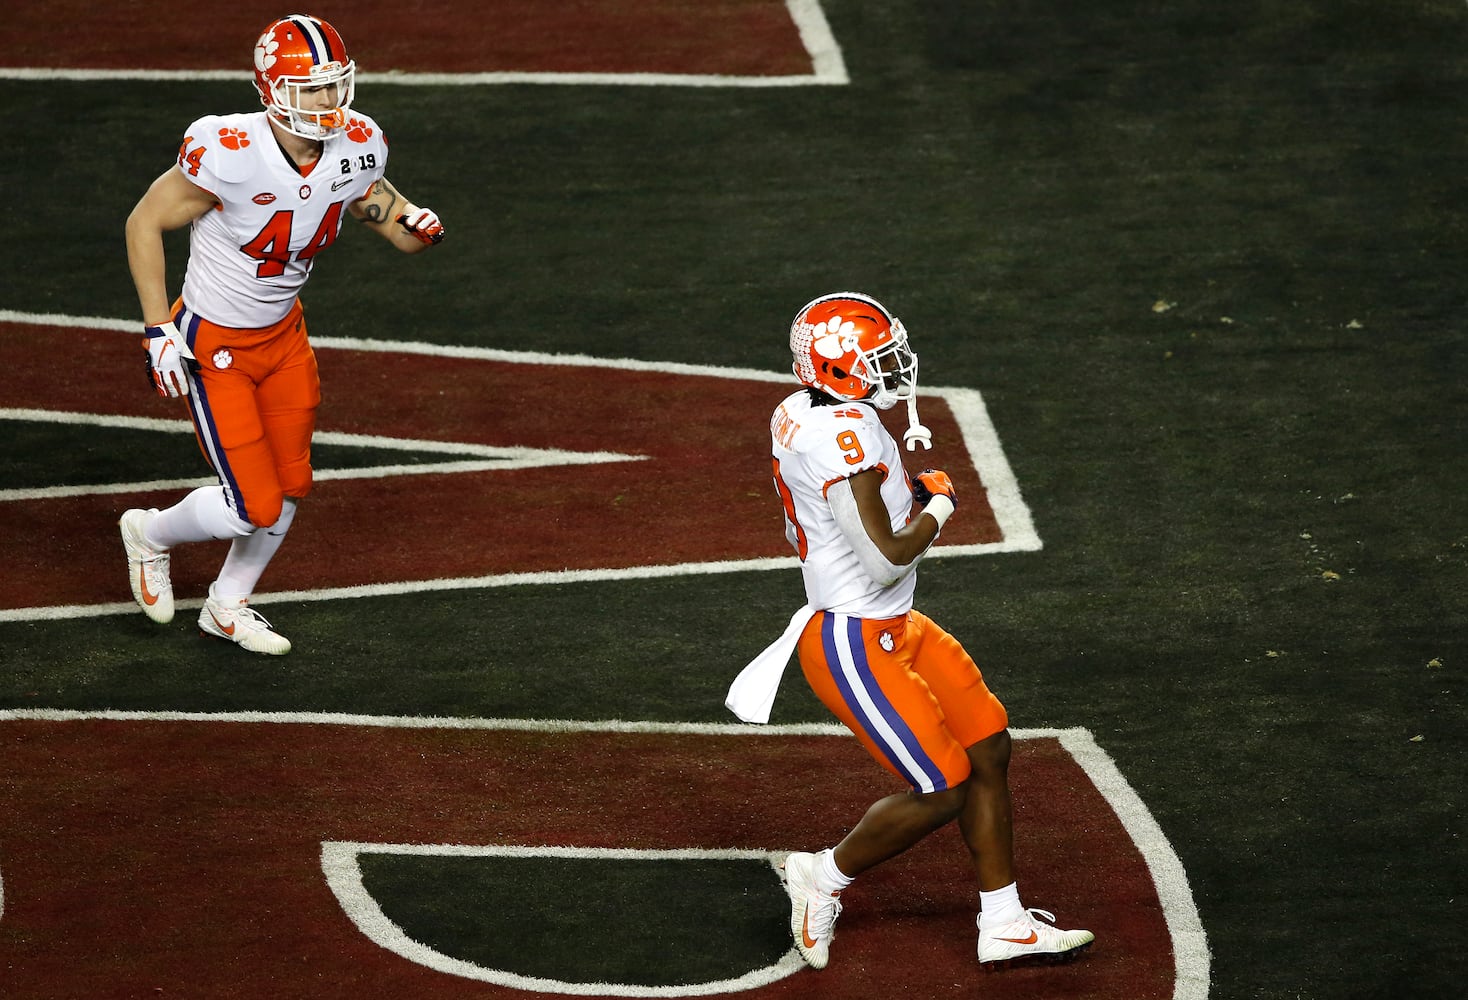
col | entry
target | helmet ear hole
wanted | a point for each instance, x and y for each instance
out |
(840, 373)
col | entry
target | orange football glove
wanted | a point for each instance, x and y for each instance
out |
(930, 483)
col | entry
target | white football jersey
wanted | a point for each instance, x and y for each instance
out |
(815, 447)
(249, 257)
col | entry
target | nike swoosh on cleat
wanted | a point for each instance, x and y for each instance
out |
(149, 598)
(805, 930)
(1029, 940)
(229, 630)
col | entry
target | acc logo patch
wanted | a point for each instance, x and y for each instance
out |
(263, 198)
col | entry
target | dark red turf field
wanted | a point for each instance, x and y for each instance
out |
(146, 857)
(126, 825)
(724, 37)
(617, 515)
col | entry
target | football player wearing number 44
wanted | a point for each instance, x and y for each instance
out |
(264, 193)
(904, 686)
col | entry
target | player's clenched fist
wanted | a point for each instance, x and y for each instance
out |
(930, 483)
(934, 490)
(167, 353)
(424, 225)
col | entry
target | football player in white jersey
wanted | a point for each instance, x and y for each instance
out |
(903, 685)
(264, 193)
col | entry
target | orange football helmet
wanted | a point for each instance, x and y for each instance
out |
(302, 52)
(849, 346)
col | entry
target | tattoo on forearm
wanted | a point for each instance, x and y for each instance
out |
(374, 210)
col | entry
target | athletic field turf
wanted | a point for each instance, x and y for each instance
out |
(1187, 283)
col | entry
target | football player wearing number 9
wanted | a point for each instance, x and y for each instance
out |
(264, 193)
(904, 686)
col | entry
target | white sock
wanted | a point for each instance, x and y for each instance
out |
(1000, 906)
(829, 878)
(249, 556)
(198, 517)
(233, 603)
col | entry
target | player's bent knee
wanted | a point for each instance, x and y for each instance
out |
(990, 756)
(287, 515)
(238, 525)
(295, 481)
(264, 514)
(944, 806)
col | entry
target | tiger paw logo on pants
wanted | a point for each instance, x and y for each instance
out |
(222, 359)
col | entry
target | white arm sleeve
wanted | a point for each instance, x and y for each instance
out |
(848, 519)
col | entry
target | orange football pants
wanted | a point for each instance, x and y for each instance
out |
(907, 689)
(253, 398)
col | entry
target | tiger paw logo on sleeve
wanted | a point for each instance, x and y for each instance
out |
(233, 138)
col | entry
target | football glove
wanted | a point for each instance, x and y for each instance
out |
(424, 225)
(168, 353)
(930, 483)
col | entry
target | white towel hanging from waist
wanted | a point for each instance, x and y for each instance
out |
(752, 694)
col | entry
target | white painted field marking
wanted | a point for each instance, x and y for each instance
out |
(967, 405)
(1192, 958)
(828, 68)
(344, 876)
(488, 457)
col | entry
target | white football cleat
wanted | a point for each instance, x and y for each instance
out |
(1029, 939)
(147, 567)
(239, 623)
(812, 913)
